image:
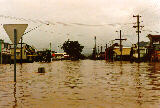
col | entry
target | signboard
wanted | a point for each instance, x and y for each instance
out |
(15, 32)
(9, 28)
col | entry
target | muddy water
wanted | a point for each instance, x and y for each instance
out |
(81, 84)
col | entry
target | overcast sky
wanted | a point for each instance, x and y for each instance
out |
(80, 20)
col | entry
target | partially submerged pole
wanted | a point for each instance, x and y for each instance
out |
(106, 53)
(95, 48)
(21, 49)
(101, 48)
(15, 31)
(1, 50)
(121, 45)
(15, 44)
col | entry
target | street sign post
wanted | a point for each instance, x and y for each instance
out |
(15, 32)
(1, 51)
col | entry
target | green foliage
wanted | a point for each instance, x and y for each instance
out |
(73, 49)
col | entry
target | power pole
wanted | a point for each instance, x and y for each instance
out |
(95, 47)
(101, 49)
(15, 44)
(98, 50)
(21, 48)
(106, 53)
(50, 46)
(120, 42)
(21, 61)
(138, 31)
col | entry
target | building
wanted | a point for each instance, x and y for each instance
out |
(5, 55)
(142, 49)
(59, 56)
(28, 53)
(125, 53)
(154, 47)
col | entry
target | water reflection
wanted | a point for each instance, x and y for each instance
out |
(73, 75)
(154, 84)
(21, 93)
(154, 75)
(138, 86)
(14, 95)
(81, 84)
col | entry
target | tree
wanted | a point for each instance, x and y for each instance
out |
(73, 49)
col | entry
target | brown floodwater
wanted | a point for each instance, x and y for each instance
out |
(81, 84)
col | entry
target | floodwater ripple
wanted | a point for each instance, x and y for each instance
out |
(81, 84)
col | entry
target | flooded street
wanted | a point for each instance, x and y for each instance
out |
(81, 84)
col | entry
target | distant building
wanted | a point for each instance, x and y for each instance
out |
(5, 54)
(154, 48)
(28, 53)
(125, 53)
(142, 49)
(59, 56)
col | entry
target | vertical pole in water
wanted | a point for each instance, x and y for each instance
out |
(15, 44)
(21, 49)
(50, 45)
(121, 45)
(106, 53)
(138, 38)
(95, 48)
(101, 48)
(98, 50)
(1, 49)
(138, 31)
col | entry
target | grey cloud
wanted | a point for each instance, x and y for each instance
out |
(89, 18)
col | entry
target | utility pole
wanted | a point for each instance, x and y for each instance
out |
(101, 52)
(50, 49)
(138, 31)
(50, 46)
(98, 50)
(120, 42)
(21, 48)
(95, 47)
(106, 53)
(101, 49)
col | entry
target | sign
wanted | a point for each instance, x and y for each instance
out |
(9, 28)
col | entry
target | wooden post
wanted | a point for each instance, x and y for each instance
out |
(98, 50)
(21, 49)
(101, 49)
(95, 48)
(138, 37)
(138, 31)
(121, 44)
(1, 49)
(106, 53)
(15, 44)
